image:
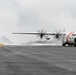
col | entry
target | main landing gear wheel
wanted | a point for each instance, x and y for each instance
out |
(74, 45)
(63, 44)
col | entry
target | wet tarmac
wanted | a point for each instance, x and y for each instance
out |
(41, 60)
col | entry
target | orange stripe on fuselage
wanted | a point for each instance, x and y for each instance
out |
(68, 36)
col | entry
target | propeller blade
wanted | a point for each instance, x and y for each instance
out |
(41, 33)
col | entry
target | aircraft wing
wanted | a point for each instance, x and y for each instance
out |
(37, 33)
(33, 33)
(57, 35)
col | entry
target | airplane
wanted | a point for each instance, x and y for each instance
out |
(68, 38)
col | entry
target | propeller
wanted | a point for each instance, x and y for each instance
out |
(58, 34)
(41, 33)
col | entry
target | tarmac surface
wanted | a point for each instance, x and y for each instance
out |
(37, 60)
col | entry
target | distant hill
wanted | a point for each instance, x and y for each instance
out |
(5, 40)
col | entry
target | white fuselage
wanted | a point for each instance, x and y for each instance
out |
(69, 38)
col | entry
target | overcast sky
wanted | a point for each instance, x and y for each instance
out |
(33, 15)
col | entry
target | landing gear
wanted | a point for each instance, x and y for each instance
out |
(63, 44)
(74, 45)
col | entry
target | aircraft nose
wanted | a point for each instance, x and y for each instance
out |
(75, 40)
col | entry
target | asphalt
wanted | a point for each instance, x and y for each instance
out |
(37, 60)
